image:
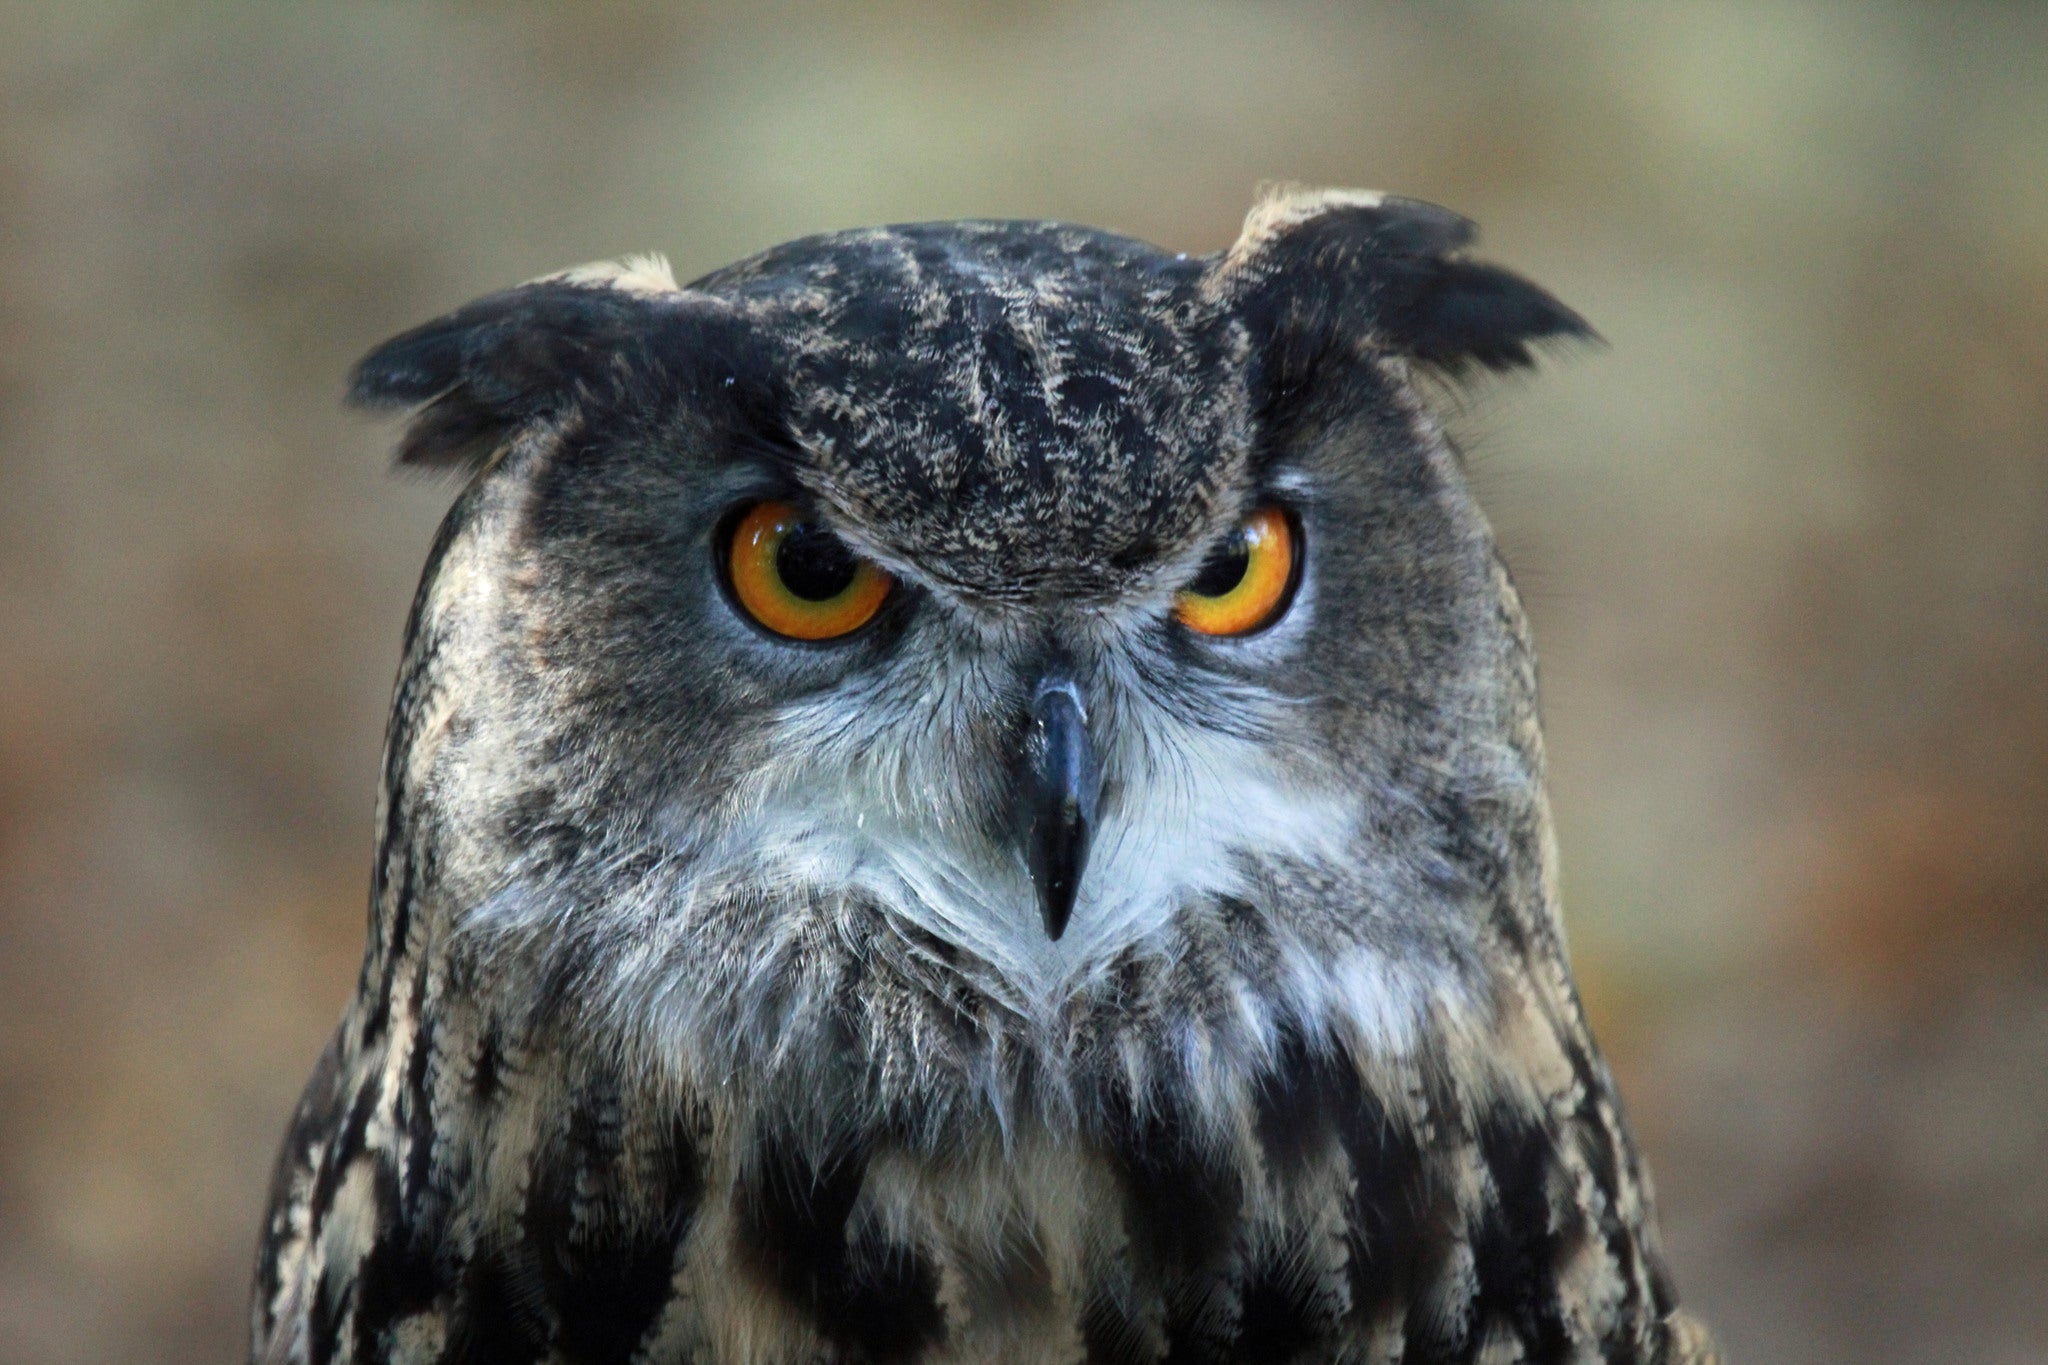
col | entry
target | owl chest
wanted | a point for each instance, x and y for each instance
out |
(766, 1249)
(1050, 1252)
(535, 1219)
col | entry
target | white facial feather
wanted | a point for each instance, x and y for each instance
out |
(868, 803)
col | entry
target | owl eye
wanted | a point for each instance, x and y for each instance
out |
(797, 578)
(1245, 585)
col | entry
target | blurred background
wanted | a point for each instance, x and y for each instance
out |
(1785, 541)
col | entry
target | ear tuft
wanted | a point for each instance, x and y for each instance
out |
(647, 274)
(1398, 226)
(1452, 314)
(510, 358)
(1319, 269)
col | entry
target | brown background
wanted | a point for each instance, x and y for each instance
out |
(1785, 541)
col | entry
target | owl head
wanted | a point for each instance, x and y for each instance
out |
(1000, 653)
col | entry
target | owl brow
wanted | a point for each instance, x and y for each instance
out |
(773, 451)
(778, 466)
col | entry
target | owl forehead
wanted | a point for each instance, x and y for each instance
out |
(1017, 409)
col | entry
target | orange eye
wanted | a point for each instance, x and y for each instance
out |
(1246, 583)
(798, 579)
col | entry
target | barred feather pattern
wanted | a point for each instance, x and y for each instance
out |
(453, 1192)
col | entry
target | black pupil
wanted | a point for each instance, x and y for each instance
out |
(1225, 568)
(814, 563)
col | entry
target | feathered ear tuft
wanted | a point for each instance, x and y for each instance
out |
(510, 358)
(1316, 270)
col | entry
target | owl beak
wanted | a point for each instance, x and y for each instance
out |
(1058, 799)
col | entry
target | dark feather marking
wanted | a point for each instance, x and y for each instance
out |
(1181, 1214)
(1295, 1105)
(605, 1254)
(1280, 1318)
(889, 1309)
(397, 1277)
(1403, 1223)
(876, 1300)
(415, 1100)
(323, 1322)
(494, 1323)
(1295, 1119)
(487, 1080)
(378, 1018)
(1112, 1336)
(1514, 1246)
(1181, 1206)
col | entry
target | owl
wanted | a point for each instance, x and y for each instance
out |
(967, 792)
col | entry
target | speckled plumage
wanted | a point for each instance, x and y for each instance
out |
(705, 1014)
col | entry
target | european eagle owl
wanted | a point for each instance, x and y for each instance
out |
(967, 792)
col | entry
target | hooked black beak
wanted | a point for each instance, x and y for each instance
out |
(1058, 800)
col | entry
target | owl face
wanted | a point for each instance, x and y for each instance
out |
(1007, 603)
